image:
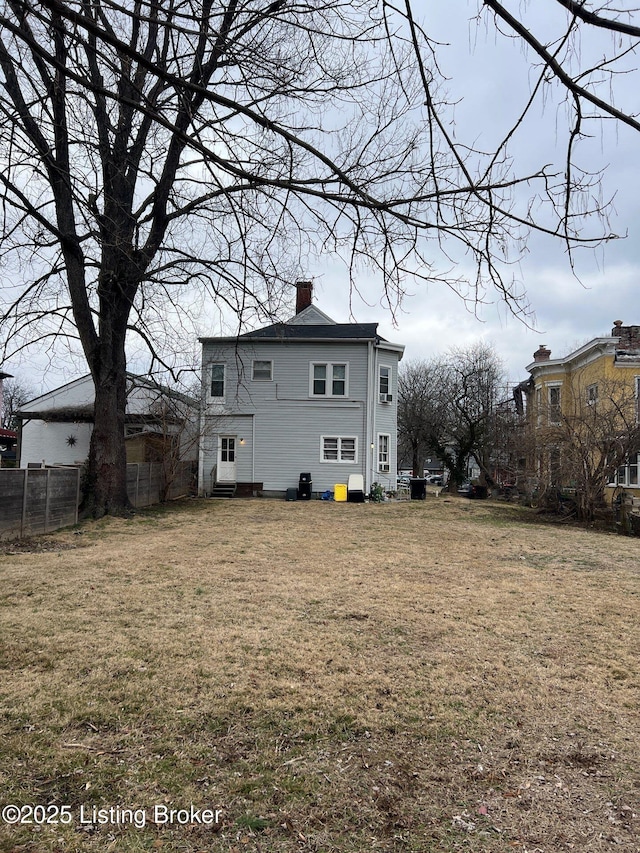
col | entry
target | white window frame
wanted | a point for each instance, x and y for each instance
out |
(224, 380)
(384, 452)
(340, 459)
(329, 379)
(268, 361)
(637, 393)
(592, 394)
(388, 392)
(623, 474)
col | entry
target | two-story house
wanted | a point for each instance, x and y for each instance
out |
(305, 396)
(583, 415)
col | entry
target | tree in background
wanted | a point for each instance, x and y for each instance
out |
(15, 393)
(160, 155)
(451, 405)
(415, 386)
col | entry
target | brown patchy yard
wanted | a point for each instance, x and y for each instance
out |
(428, 676)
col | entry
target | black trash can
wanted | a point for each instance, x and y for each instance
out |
(418, 487)
(304, 487)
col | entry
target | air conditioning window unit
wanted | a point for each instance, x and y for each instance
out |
(386, 398)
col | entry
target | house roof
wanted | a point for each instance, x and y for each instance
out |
(308, 332)
(52, 406)
(312, 325)
(316, 331)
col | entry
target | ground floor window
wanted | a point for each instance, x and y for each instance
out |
(383, 451)
(628, 473)
(337, 448)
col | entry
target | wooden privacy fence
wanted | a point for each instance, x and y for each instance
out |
(146, 482)
(37, 500)
(41, 500)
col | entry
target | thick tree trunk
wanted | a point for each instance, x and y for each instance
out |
(105, 491)
(106, 483)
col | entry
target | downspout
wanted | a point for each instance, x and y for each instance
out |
(201, 437)
(370, 417)
(253, 448)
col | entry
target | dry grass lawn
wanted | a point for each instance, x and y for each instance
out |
(430, 676)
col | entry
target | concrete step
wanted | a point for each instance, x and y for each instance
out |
(223, 490)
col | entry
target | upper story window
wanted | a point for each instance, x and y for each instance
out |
(262, 370)
(637, 399)
(329, 379)
(384, 383)
(554, 403)
(217, 380)
(592, 395)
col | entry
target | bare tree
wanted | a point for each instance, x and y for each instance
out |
(451, 405)
(15, 393)
(158, 154)
(415, 386)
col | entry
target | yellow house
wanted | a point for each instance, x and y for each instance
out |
(583, 419)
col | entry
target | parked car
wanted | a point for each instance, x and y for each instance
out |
(434, 479)
(404, 480)
(470, 490)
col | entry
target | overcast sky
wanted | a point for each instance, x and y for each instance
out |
(489, 78)
(492, 75)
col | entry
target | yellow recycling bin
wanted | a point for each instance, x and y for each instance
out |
(340, 492)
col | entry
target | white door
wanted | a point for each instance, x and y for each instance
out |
(227, 459)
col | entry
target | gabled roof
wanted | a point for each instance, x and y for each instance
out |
(309, 316)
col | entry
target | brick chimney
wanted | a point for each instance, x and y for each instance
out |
(629, 335)
(542, 354)
(304, 290)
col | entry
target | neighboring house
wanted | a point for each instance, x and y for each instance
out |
(8, 445)
(308, 396)
(56, 427)
(8, 437)
(582, 413)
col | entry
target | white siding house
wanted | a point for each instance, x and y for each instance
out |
(306, 396)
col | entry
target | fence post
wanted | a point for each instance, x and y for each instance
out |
(24, 502)
(77, 494)
(46, 501)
